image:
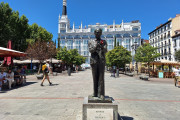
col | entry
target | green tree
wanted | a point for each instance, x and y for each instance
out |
(118, 43)
(70, 56)
(38, 33)
(16, 28)
(119, 56)
(177, 55)
(146, 53)
(13, 27)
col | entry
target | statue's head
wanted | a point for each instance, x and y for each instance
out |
(98, 33)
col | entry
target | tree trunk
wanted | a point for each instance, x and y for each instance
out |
(148, 69)
(117, 72)
(125, 68)
(69, 70)
(39, 69)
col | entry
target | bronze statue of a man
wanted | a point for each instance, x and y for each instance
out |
(98, 48)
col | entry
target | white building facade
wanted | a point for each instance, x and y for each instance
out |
(176, 41)
(77, 38)
(161, 38)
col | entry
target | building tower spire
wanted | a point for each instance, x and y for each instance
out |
(64, 12)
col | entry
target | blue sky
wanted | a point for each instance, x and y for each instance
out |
(151, 13)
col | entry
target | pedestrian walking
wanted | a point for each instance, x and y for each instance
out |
(177, 76)
(46, 68)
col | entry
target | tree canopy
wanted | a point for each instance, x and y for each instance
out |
(119, 56)
(16, 28)
(70, 56)
(13, 27)
(146, 53)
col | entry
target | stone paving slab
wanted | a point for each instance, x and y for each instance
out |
(137, 99)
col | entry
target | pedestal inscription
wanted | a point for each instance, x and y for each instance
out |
(99, 111)
(99, 114)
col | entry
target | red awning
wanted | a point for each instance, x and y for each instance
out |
(4, 52)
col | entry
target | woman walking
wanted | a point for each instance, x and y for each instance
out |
(46, 70)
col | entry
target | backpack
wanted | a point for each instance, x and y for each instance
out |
(44, 67)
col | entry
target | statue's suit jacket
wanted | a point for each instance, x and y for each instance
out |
(97, 51)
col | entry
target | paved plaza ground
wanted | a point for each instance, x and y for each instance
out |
(156, 99)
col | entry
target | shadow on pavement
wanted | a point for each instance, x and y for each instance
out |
(124, 118)
(54, 84)
(17, 87)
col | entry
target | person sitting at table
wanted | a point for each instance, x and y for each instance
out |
(17, 77)
(10, 77)
(2, 78)
(177, 76)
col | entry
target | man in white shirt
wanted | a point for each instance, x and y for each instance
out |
(177, 76)
(10, 77)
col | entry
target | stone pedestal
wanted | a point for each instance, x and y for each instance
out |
(99, 111)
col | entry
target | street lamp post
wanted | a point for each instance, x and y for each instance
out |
(135, 46)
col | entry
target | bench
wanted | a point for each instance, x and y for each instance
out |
(143, 77)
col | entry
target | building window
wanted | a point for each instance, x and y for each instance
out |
(77, 37)
(110, 42)
(164, 35)
(85, 42)
(169, 42)
(62, 37)
(62, 31)
(102, 36)
(161, 52)
(109, 36)
(170, 58)
(161, 37)
(135, 29)
(135, 35)
(85, 37)
(126, 35)
(168, 26)
(118, 35)
(120, 41)
(168, 33)
(62, 42)
(174, 42)
(92, 36)
(69, 37)
(70, 42)
(78, 42)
